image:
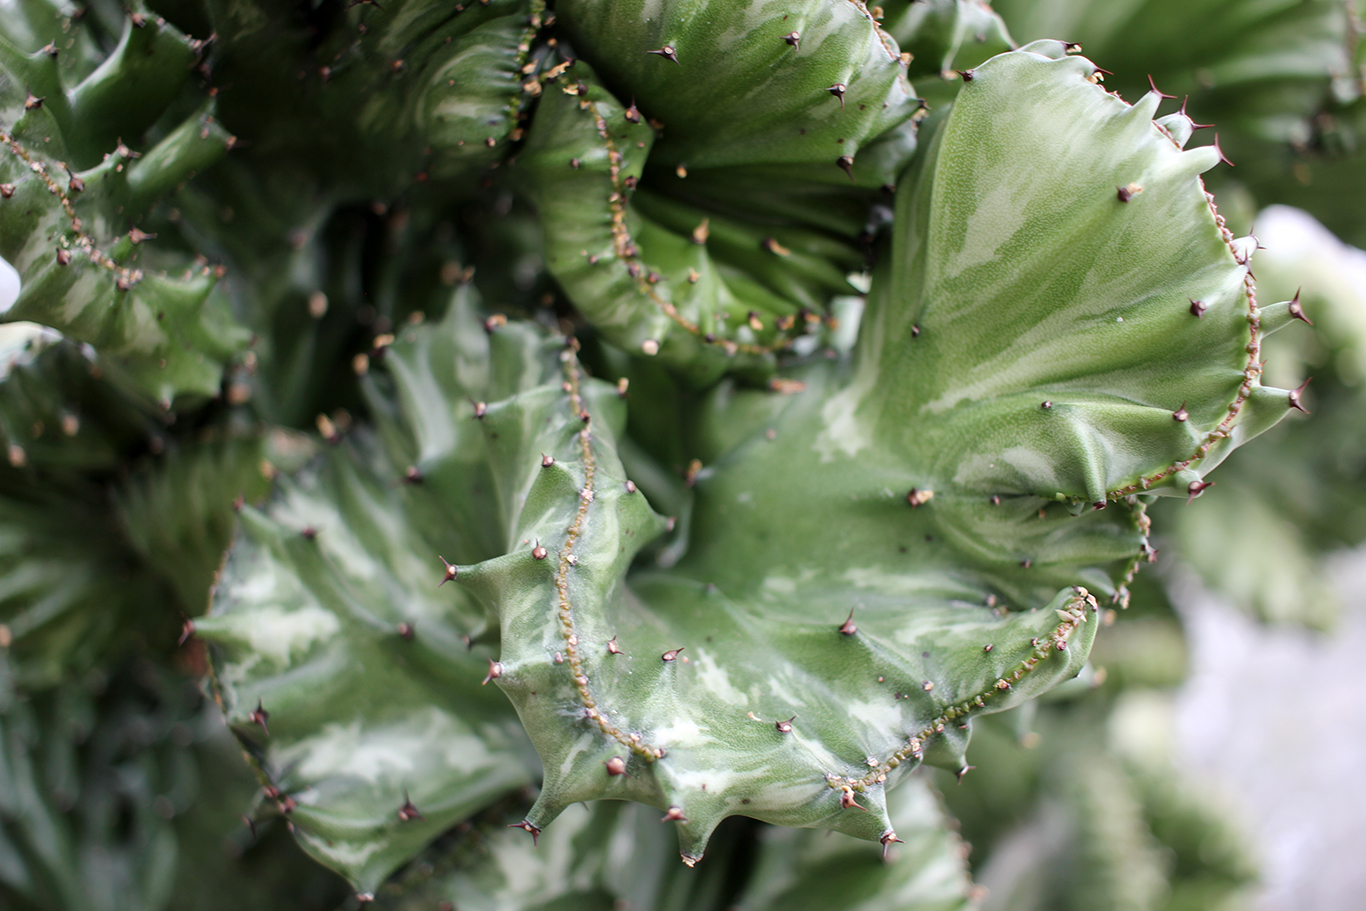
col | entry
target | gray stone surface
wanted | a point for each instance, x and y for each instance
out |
(1274, 717)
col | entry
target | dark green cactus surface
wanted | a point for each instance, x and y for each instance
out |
(563, 436)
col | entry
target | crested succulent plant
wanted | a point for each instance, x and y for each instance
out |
(694, 411)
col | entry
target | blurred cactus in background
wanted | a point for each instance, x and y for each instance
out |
(557, 437)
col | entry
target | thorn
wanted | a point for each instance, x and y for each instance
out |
(846, 164)
(1198, 308)
(1297, 309)
(633, 113)
(968, 75)
(408, 812)
(671, 654)
(50, 49)
(919, 497)
(32, 102)
(1046, 405)
(63, 257)
(136, 235)
(480, 409)
(412, 475)
(451, 572)
(888, 838)
(915, 331)
(995, 500)
(1152, 85)
(1294, 397)
(968, 768)
(612, 647)
(1195, 488)
(848, 800)
(186, 631)
(616, 766)
(495, 671)
(794, 39)
(1194, 125)
(260, 716)
(785, 727)
(405, 631)
(1222, 156)
(539, 552)
(1181, 414)
(771, 245)
(838, 90)
(528, 827)
(630, 486)
(847, 627)
(6, 190)
(667, 52)
(674, 814)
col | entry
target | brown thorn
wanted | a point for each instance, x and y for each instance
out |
(1194, 125)
(1294, 397)
(1181, 414)
(793, 39)
(1152, 85)
(838, 90)
(495, 671)
(186, 631)
(1222, 156)
(968, 768)
(1195, 488)
(785, 727)
(667, 52)
(888, 838)
(846, 164)
(674, 814)
(847, 627)
(260, 716)
(451, 571)
(616, 766)
(1198, 308)
(847, 800)
(612, 647)
(408, 812)
(671, 654)
(1297, 309)
(526, 826)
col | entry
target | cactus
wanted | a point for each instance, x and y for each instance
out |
(79, 173)
(704, 415)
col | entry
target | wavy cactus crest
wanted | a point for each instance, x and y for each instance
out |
(80, 167)
(869, 554)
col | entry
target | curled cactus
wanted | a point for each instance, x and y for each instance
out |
(702, 414)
